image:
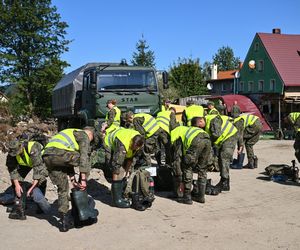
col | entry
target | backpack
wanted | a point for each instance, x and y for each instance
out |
(284, 170)
(140, 188)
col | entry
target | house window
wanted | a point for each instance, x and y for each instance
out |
(261, 85)
(241, 86)
(223, 87)
(256, 47)
(250, 86)
(272, 84)
(261, 65)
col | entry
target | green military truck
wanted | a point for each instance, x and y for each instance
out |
(80, 97)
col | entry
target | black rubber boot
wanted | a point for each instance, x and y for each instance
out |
(80, 199)
(187, 198)
(212, 190)
(18, 211)
(64, 227)
(178, 186)
(116, 194)
(200, 196)
(224, 184)
(255, 161)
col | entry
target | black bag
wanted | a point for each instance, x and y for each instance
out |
(140, 188)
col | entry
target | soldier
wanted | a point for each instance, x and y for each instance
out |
(235, 110)
(68, 149)
(211, 109)
(147, 126)
(221, 108)
(21, 159)
(249, 129)
(294, 119)
(124, 144)
(223, 135)
(166, 105)
(113, 117)
(167, 122)
(190, 112)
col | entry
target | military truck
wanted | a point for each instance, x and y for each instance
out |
(80, 97)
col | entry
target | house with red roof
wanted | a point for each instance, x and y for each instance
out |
(270, 75)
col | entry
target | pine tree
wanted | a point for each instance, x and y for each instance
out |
(143, 56)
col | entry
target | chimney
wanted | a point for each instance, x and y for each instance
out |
(240, 65)
(276, 31)
(214, 71)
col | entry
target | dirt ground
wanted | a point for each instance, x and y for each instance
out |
(255, 214)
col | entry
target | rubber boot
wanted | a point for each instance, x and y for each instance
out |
(178, 186)
(187, 198)
(255, 161)
(18, 211)
(224, 184)
(212, 190)
(64, 227)
(80, 199)
(136, 203)
(200, 196)
(116, 194)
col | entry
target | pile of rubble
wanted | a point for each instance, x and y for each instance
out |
(26, 129)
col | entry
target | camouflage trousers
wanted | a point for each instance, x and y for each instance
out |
(196, 160)
(251, 137)
(297, 146)
(164, 142)
(60, 167)
(225, 155)
(151, 146)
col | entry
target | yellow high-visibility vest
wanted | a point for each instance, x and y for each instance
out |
(27, 160)
(65, 139)
(247, 118)
(163, 120)
(193, 111)
(150, 125)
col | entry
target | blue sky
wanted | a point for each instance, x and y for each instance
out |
(106, 31)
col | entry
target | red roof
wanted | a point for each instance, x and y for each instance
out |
(246, 106)
(284, 51)
(229, 74)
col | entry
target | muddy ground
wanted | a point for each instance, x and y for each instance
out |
(256, 214)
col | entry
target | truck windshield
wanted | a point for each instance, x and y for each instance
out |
(126, 80)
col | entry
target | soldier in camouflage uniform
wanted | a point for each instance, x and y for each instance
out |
(235, 110)
(147, 126)
(211, 109)
(294, 119)
(249, 129)
(123, 145)
(21, 159)
(223, 135)
(167, 122)
(68, 149)
(192, 110)
(113, 117)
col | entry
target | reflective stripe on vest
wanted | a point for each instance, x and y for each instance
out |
(227, 128)
(178, 132)
(163, 120)
(247, 118)
(294, 116)
(110, 137)
(117, 118)
(190, 134)
(65, 139)
(193, 111)
(125, 136)
(27, 161)
(150, 125)
(213, 111)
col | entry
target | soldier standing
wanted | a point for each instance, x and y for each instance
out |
(249, 129)
(124, 144)
(211, 109)
(223, 135)
(294, 119)
(113, 117)
(68, 149)
(235, 110)
(21, 159)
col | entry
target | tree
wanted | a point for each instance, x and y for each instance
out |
(143, 56)
(186, 77)
(225, 59)
(32, 38)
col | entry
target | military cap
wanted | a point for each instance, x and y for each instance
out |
(210, 103)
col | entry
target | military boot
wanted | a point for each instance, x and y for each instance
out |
(18, 210)
(187, 198)
(224, 184)
(64, 227)
(178, 186)
(80, 200)
(116, 194)
(200, 196)
(255, 161)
